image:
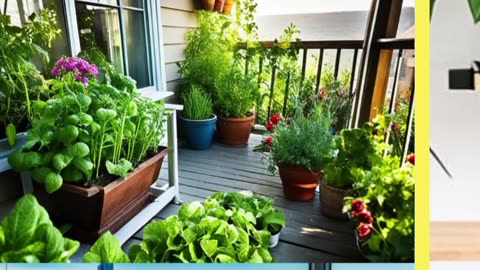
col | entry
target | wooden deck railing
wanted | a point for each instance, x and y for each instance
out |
(397, 45)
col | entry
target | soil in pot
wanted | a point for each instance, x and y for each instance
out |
(219, 4)
(331, 201)
(199, 133)
(299, 183)
(234, 131)
(208, 4)
(96, 209)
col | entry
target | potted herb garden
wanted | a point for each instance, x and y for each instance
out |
(300, 150)
(235, 97)
(198, 119)
(93, 149)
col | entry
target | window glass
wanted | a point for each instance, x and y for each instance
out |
(100, 26)
(136, 49)
(133, 3)
(106, 2)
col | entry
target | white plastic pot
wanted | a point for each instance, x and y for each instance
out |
(274, 239)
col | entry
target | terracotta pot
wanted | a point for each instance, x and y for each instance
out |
(331, 201)
(227, 8)
(94, 210)
(208, 4)
(298, 182)
(219, 4)
(234, 131)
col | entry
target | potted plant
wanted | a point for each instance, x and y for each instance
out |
(268, 218)
(235, 97)
(92, 146)
(300, 150)
(198, 119)
(208, 4)
(355, 149)
(219, 4)
(382, 206)
(227, 8)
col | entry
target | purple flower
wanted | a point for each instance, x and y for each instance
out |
(79, 69)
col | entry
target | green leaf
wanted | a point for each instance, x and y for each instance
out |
(40, 174)
(24, 161)
(67, 134)
(11, 132)
(209, 246)
(263, 237)
(105, 114)
(84, 164)
(84, 101)
(475, 9)
(61, 161)
(224, 259)
(275, 217)
(53, 182)
(107, 249)
(77, 150)
(72, 119)
(121, 169)
(190, 210)
(72, 174)
(85, 119)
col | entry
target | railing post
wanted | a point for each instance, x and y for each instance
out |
(304, 64)
(285, 99)
(337, 62)
(354, 68)
(319, 69)
(272, 88)
(408, 131)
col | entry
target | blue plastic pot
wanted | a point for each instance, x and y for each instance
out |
(199, 133)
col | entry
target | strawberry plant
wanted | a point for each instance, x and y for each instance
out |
(383, 206)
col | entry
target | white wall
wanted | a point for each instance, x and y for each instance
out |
(454, 115)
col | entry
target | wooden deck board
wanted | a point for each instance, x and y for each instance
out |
(308, 236)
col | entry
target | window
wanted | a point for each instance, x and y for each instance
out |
(126, 31)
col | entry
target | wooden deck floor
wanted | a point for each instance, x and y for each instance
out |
(308, 237)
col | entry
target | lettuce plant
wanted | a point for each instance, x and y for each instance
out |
(199, 233)
(267, 217)
(89, 131)
(28, 235)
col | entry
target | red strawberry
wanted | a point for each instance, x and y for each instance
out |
(365, 217)
(275, 118)
(270, 126)
(411, 158)
(358, 205)
(364, 230)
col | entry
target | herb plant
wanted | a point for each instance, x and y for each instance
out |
(198, 105)
(303, 142)
(236, 94)
(28, 235)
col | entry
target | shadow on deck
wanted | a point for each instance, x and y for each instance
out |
(309, 236)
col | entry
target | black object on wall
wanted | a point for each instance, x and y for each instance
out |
(461, 79)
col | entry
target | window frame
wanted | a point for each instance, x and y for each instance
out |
(153, 23)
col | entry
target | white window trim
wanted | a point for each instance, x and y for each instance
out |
(153, 10)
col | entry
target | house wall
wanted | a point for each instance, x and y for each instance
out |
(178, 16)
(454, 128)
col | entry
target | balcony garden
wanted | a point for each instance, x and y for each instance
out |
(283, 157)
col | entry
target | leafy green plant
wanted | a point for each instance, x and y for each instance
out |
(199, 233)
(268, 218)
(198, 105)
(382, 203)
(303, 141)
(397, 123)
(236, 94)
(356, 148)
(208, 55)
(20, 81)
(87, 132)
(28, 235)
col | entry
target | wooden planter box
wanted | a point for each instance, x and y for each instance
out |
(94, 210)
